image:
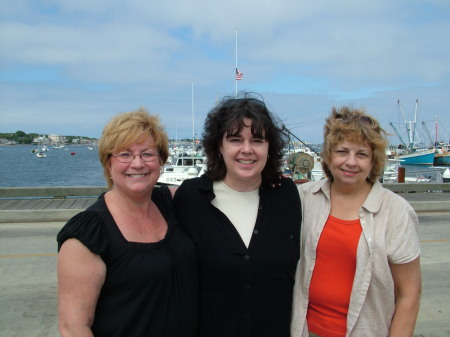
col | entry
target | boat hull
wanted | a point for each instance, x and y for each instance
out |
(418, 158)
(442, 159)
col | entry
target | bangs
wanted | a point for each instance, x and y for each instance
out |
(235, 126)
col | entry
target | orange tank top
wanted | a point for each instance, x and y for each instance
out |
(332, 278)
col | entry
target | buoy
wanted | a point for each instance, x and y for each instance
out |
(446, 176)
(72, 153)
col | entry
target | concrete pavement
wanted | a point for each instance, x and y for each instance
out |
(28, 284)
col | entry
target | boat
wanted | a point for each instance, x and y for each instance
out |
(185, 165)
(180, 168)
(442, 155)
(412, 152)
(442, 159)
(418, 157)
(40, 152)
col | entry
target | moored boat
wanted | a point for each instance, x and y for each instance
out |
(442, 159)
(424, 157)
(182, 168)
(442, 155)
(414, 151)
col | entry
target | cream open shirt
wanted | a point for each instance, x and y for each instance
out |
(389, 235)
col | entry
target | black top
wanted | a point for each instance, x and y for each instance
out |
(243, 291)
(151, 289)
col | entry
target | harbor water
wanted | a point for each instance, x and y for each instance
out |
(19, 167)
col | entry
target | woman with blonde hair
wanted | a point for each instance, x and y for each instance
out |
(124, 267)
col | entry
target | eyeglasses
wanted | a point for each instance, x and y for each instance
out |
(363, 119)
(128, 157)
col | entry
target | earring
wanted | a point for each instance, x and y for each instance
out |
(220, 156)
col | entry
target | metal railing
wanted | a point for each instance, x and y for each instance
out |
(62, 192)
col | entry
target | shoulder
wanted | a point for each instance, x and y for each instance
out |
(194, 184)
(312, 187)
(386, 204)
(88, 228)
(188, 192)
(161, 193)
(285, 183)
(281, 194)
(381, 198)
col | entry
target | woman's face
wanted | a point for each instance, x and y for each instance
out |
(351, 163)
(137, 176)
(245, 156)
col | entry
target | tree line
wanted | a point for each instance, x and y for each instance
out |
(21, 137)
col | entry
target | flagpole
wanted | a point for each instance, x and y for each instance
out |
(235, 79)
(192, 107)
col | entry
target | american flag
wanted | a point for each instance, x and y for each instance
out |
(238, 75)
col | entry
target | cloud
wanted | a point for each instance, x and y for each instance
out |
(71, 65)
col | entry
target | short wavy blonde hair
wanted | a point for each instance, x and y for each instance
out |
(129, 128)
(354, 125)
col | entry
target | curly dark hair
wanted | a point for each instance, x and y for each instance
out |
(227, 117)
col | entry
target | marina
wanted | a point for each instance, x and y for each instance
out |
(79, 166)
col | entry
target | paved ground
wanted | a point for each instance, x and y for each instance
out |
(28, 285)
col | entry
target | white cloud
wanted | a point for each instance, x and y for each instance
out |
(91, 59)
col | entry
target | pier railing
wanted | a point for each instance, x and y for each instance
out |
(62, 192)
(52, 192)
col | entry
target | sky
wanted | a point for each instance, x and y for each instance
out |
(67, 67)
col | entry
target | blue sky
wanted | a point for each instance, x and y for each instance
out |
(66, 67)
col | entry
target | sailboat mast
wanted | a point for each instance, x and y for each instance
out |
(192, 107)
(416, 112)
(436, 128)
(407, 124)
(235, 80)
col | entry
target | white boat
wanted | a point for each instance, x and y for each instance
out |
(40, 152)
(181, 168)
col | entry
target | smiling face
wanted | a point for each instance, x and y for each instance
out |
(245, 156)
(350, 163)
(136, 177)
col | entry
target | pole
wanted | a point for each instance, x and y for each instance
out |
(193, 128)
(235, 79)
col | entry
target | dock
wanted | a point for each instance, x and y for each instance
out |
(31, 204)
(30, 218)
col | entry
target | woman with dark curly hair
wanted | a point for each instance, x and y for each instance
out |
(244, 219)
